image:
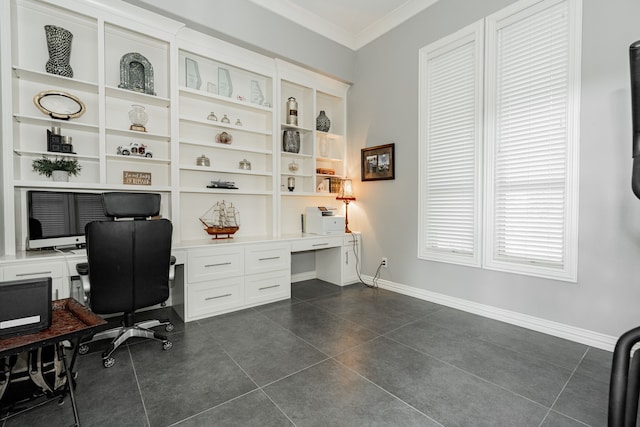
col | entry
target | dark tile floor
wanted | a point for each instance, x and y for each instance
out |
(334, 356)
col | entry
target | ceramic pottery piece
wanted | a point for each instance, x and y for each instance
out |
(323, 123)
(291, 141)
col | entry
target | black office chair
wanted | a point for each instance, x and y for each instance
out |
(624, 388)
(129, 260)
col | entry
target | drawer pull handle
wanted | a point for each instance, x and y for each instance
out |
(269, 258)
(33, 274)
(268, 287)
(219, 296)
(218, 265)
(320, 244)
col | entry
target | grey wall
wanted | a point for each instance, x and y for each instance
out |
(383, 108)
(248, 25)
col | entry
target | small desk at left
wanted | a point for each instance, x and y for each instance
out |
(70, 321)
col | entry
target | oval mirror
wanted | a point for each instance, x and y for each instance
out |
(59, 105)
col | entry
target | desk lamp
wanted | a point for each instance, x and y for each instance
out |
(346, 195)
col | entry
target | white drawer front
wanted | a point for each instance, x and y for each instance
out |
(349, 239)
(264, 258)
(209, 264)
(312, 244)
(208, 299)
(268, 286)
(28, 271)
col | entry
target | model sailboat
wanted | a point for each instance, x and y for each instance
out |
(221, 220)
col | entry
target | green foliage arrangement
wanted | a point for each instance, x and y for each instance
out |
(45, 166)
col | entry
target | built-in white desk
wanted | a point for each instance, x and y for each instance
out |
(213, 276)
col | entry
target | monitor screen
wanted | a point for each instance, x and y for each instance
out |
(58, 218)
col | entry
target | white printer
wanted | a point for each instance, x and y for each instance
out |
(322, 220)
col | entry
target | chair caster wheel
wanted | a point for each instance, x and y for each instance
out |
(167, 345)
(83, 349)
(108, 362)
(169, 327)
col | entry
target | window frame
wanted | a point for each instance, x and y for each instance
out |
(486, 229)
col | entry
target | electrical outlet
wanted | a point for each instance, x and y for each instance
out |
(384, 262)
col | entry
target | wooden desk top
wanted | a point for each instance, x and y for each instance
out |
(69, 319)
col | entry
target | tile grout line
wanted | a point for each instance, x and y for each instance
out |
(468, 373)
(563, 389)
(387, 391)
(135, 375)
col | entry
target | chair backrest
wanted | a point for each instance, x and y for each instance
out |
(129, 260)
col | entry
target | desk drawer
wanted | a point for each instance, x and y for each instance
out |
(312, 244)
(206, 299)
(29, 271)
(264, 258)
(207, 265)
(268, 286)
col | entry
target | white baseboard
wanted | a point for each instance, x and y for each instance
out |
(307, 275)
(583, 336)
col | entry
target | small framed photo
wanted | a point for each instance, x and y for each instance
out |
(378, 163)
(192, 74)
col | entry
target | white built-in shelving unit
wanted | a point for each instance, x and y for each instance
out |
(178, 130)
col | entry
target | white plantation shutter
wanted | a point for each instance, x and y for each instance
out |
(521, 127)
(450, 135)
(531, 141)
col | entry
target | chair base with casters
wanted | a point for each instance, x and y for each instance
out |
(128, 329)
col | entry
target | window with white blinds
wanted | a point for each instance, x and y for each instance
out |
(530, 147)
(451, 80)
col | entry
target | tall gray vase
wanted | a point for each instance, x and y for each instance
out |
(59, 45)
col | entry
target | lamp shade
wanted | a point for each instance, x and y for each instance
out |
(346, 190)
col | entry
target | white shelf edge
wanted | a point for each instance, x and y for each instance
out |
(205, 190)
(234, 171)
(52, 153)
(67, 124)
(332, 136)
(208, 95)
(219, 124)
(293, 127)
(130, 158)
(54, 79)
(213, 144)
(297, 175)
(296, 155)
(328, 159)
(306, 194)
(138, 97)
(136, 134)
(87, 186)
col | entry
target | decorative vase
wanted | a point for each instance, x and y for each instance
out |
(322, 122)
(292, 111)
(59, 46)
(291, 141)
(138, 117)
(291, 183)
(60, 176)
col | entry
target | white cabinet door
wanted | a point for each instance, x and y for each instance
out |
(350, 259)
(34, 270)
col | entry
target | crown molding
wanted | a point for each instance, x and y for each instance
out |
(354, 41)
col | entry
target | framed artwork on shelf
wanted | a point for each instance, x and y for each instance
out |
(378, 163)
(225, 87)
(192, 74)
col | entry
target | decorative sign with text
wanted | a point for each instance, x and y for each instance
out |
(136, 178)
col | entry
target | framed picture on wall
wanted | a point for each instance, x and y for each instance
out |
(378, 163)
